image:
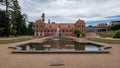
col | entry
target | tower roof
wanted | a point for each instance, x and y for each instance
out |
(79, 21)
(39, 21)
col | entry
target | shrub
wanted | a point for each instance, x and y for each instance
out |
(77, 32)
(13, 32)
(117, 35)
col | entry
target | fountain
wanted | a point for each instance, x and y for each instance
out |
(57, 37)
(59, 44)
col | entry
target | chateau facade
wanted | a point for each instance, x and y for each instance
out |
(66, 29)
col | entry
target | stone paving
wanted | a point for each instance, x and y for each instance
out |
(9, 60)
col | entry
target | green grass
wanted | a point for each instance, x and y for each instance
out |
(14, 40)
(105, 40)
(108, 33)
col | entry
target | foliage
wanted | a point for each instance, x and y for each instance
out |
(16, 25)
(48, 21)
(30, 28)
(3, 23)
(115, 27)
(13, 32)
(77, 32)
(117, 35)
(52, 22)
(110, 33)
(2, 31)
(90, 26)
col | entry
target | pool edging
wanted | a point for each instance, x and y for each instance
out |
(104, 51)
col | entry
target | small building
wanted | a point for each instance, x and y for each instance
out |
(99, 27)
(67, 29)
(102, 25)
(114, 22)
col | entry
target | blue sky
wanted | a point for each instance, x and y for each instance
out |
(69, 11)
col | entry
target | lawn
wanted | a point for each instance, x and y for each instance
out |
(108, 33)
(14, 40)
(104, 40)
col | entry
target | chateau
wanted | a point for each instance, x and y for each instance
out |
(66, 29)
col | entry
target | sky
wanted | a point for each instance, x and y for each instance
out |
(69, 11)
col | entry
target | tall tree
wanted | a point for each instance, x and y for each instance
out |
(17, 18)
(2, 23)
(30, 29)
(43, 16)
(23, 23)
(48, 21)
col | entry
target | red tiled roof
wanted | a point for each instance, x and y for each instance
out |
(59, 25)
(80, 21)
(39, 21)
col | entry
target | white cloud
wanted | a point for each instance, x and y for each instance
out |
(70, 10)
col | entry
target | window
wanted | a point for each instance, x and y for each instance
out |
(41, 25)
(48, 30)
(67, 30)
(40, 30)
(82, 25)
(37, 26)
(52, 30)
(63, 30)
(78, 25)
(69, 26)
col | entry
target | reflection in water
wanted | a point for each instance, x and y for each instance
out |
(60, 45)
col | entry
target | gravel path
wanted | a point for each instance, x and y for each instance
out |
(8, 60)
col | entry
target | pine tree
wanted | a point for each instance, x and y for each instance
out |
(18, 20)
(30, 29)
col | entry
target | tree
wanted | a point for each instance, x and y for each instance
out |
(115, 27)
(48, 21)
(117, 35)
(1, 0)
(43, 16)
(30, 28)
(2, 23)
(52, 22)
(18, 20)
(12, 20)
(2, 31)
(77, 32)
(90, 26)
